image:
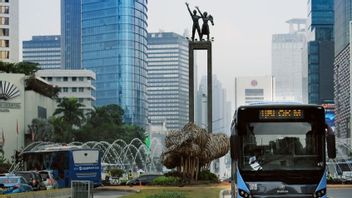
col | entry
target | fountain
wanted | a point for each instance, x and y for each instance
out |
(134, 155)
(340, 168)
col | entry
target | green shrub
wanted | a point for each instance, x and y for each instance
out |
(173, 174)
(208, 176)
(162, 180)
(115, 172)
(168, 195)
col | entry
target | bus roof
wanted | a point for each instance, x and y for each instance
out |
(59, 148)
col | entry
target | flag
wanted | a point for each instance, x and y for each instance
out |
(2, 138)
(17, 127)
(33, 135)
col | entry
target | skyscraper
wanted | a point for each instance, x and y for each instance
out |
(221, 107)
(114, 46)
(287, 64)
(167, 79)
(71, 34)
(320, 51)
(9, 40)
(44, 50)
(342, 67)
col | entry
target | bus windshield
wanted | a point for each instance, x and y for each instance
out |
(272, 146)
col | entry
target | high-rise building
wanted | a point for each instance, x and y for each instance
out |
(73, 83)
(342, 68)
(71, 34)
(114, 46)
(9, 39)
(167, 79)
(320, 51)
(44, 50)
(221, 107)
(254, 89)
(287, 63)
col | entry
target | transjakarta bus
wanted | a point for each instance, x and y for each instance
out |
(67, 163)
(278, 150)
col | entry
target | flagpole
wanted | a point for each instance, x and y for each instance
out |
(17, 134)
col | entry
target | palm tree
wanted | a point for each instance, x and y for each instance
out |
(70, 111)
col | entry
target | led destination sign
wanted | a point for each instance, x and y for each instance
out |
(275, 114)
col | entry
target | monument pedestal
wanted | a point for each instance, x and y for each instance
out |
(193, 46)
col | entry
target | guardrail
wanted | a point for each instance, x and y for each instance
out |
(59, 193)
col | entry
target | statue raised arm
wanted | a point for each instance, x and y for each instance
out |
(189, 10)
(205, 26)
(195, 19)
(201, 14)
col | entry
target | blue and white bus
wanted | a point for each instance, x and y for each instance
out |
(278, 150)
(67, 163)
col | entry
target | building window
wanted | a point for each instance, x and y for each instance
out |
(4, 32)
(81, 78)
(81, 89)
(80, 100)
(50, 79)
(4, 54)
(65, 89)
(74, 78)
(4, 21)
(41, 112)
(58, 79)
(4, 43)
(65, 79)
(74, 89)
(4, 9)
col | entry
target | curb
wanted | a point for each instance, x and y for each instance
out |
(118, 189)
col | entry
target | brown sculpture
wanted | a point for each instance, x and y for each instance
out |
(192, 148)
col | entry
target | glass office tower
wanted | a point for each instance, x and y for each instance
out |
(342, 68)
(71, 34)
(114, 46)
(44, 50)
(320, 49)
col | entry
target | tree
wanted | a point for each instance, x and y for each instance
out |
(69, 109)
(62, 130)
(106, 124)
(42, 130)
(27, 68)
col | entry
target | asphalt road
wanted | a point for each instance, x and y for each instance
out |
(339, 192)
(109, 194)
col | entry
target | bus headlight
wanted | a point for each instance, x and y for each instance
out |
(320, 193)
(244, 194)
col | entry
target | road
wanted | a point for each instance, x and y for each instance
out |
(109, 194)
(339, 192)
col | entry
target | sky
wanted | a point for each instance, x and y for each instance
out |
(242, 31)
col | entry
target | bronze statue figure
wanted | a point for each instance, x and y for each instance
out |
(195, 19)
(205, 26)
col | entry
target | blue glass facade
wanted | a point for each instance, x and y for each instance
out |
(71, 34)
(44, 50)
(320, 51)
(114, 45)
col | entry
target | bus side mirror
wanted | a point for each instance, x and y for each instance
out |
(331, 143)
(234, 145)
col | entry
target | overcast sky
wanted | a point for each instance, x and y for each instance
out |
(242, 30)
